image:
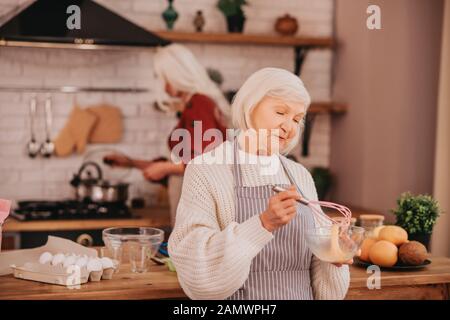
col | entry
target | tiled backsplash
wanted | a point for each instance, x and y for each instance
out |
(146, 130)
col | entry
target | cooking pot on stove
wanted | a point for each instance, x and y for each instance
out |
(90, 187)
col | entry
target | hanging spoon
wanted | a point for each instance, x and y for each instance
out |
(32, 146)
(48, 147)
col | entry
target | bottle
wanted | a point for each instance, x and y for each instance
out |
(199, 21)
(170, 16)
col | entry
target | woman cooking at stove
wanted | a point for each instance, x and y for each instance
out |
(235, 238)
(198, 98)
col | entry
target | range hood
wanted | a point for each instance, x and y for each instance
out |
(44, 24)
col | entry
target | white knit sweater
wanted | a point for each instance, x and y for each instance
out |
(211, 252)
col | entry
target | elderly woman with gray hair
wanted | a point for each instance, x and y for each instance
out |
(234, 237)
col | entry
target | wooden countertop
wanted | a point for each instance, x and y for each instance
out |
(437, 272)
(157, 217)
(431, 282)
(159, 283)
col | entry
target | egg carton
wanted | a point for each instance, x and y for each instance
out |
(65, 276)
(77, 266)
(61, 274)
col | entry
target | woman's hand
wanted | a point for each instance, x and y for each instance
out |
(156, 170)
(281, 209)
(347, 262)
(117, 160)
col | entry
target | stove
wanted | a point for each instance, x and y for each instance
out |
(69, 210)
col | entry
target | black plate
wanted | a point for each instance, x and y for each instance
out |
(397, 267)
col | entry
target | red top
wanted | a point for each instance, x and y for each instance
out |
(199, 108)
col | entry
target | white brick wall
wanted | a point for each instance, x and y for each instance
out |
(146, 131)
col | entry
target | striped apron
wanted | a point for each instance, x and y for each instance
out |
(281, 270)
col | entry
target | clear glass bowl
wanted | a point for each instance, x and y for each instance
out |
(343, 247)
(141, 244)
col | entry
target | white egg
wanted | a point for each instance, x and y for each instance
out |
(81, 262)
(70, 260)
(58, 258)
(45, 258)
(107, 263)
(94, 265)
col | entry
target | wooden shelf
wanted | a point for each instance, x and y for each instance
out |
(327, 107)
(246, 39)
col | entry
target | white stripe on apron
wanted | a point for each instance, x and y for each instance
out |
(282, 269)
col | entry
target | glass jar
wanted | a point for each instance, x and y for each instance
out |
(370, 222)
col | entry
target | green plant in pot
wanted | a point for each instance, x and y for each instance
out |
(417, 215)
(322, 179)
(232, 10)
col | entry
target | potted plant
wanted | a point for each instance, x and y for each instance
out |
(322, 179)
(417, 215)
(232, 10)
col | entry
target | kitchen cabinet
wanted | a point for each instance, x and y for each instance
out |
(430, 283)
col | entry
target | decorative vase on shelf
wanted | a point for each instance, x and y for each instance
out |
(286, 25)
(199, 21)
(235, 23)
(170, 15)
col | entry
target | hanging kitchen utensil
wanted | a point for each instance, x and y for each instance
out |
(33, 146)
(48, 147)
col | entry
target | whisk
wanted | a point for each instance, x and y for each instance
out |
(315, 208)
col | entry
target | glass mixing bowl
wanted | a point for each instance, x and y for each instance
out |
(332, 245)
(141, 244)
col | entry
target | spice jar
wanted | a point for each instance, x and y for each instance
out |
(370, 222)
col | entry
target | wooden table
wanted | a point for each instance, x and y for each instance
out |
(159, 283)
(432, 282)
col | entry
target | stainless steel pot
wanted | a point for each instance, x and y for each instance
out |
(95, 188)
(106, 192)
